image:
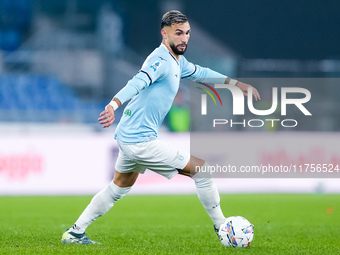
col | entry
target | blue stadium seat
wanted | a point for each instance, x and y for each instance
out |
(41, 98)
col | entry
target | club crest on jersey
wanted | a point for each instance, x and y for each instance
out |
(155, 65)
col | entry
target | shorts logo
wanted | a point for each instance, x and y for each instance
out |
(180, 157)
(155, 65)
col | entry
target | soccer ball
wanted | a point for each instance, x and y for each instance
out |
(236, 231)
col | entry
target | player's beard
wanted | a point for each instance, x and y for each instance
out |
(176, 50)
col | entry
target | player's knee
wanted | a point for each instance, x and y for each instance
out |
(196, 162)
(202, 172)
(125, 179)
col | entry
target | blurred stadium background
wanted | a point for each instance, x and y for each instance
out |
(61, 61)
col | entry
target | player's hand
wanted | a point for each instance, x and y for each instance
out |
(244, 87)
(107, 117)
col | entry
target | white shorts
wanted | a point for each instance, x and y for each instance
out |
(157, 156)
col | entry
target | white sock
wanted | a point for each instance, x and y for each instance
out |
(100, 204)
(208, 195)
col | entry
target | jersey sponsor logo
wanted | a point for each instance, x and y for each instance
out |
(128, 112)
(155, 66)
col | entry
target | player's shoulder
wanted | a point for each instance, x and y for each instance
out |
(182, 60)
(157, 60)
(159, 54)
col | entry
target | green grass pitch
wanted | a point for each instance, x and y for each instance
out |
(284, 224)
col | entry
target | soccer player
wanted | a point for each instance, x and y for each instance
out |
(152, 91)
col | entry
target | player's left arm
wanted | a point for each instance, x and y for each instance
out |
(206, 75)
(244, 87)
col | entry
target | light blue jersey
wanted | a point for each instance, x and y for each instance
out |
(152, 92)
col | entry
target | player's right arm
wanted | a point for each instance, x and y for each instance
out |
(131, 89)
(153, 69)
(107, 117)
